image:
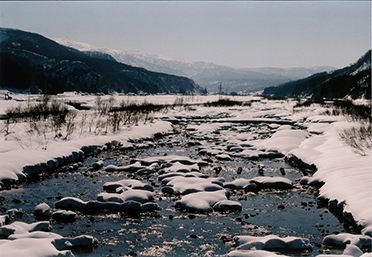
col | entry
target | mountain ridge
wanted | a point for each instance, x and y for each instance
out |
(208, 75)
(32, 61)
(351, 81)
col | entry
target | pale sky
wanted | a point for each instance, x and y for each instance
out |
(234, 33)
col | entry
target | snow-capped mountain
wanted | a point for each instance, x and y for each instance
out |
(31, 61)
(207, 75)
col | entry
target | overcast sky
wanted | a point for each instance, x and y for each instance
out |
(241, 34)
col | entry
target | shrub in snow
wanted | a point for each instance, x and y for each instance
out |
(272, 242)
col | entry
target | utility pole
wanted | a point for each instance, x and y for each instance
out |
(220, 90)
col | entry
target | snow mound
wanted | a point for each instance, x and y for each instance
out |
(253, 253)
(239, 183)
(71, 242)
(25, 240)
(129, 195)
(271, 242)
(201, 201)
(72, 203)
(128, 168)
(343, 239)
(64, 216)
(227, 205)
(131, 183)
(273, 182)
(18, 227)
(179, 167)
(260, 182)
(26, 247)
(187, 185)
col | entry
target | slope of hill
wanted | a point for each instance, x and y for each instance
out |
(207, 75)
(31, 61)
(353, 81)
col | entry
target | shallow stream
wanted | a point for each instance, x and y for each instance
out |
(172, 232)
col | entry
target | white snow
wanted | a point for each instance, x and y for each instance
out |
(272, 242)
(346, 174)
(201, 201)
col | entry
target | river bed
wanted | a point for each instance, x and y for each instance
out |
(173, 232)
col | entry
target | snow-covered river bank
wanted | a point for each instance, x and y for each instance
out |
(238, 151)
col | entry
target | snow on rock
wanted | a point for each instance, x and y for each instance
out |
(128, 195)
(27, 247)
(4, 219)
(19, 227)
(273, 182)
(284, 140)
(42, 211)
(168, 159)
(72, 203)
(35, 234)
(179, 167)
(64, 216)
(131, 183)
(227, 205)
(71, 242)
(352, 250)
(97, 165)
(187, 185)
(128, 168)
(252, 253)
(201, 201)
(260, 182)
(223, 157)
(343, 239)
(238, 183)
(148, 169)
(272, 242)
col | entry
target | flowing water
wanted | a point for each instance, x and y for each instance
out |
(172, 232)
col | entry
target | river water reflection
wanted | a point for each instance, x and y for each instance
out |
(172, 232)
